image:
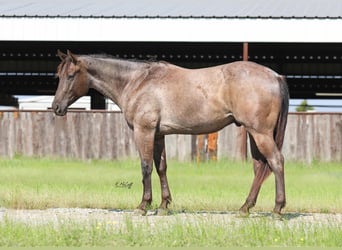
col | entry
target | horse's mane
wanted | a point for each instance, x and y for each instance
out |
(152, 59)
(60, 67)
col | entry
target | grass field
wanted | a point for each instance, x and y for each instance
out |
(205, 232)
(28, 183)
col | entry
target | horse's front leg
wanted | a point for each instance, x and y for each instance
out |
(159, 156)
(144, 139)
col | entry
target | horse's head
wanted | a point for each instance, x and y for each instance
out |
(73, 82)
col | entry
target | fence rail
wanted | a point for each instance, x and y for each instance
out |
(96, 134)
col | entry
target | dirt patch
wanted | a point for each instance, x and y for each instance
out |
(80, 215)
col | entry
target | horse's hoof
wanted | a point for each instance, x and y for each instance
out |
(277, 216)
(243, 214)
(140, 212)
(162, 212)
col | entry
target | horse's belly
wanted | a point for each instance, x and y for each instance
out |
(195, 126)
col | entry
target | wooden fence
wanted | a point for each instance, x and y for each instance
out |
(105, 135)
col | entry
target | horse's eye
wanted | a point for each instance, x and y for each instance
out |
(71, 77)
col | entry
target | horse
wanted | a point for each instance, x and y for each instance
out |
(158, 98)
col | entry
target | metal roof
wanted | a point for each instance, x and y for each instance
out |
(172, 20)
(327, 9)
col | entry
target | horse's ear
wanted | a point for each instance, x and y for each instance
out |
(72, 56)
(61, 55)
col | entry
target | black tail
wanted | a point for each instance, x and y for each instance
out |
(279, 131)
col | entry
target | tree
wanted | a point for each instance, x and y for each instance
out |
(304, 107)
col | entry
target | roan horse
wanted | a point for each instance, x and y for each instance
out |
(158, 98)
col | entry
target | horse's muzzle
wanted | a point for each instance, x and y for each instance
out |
(58, 109)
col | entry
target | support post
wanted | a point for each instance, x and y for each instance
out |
(200, 148)
(245, 51)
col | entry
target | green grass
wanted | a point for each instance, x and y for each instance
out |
(29, 183)
(180, 233)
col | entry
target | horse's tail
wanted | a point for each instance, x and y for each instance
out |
(279, 131)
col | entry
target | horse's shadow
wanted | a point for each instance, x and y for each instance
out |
(285, 216)
(290, 216)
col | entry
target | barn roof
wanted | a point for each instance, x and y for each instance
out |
(328, 9)
(174, 20)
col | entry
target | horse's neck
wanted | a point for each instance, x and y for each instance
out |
(110, 76)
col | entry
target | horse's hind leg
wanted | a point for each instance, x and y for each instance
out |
(261, 172)
(268, 148)
(159, 156)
